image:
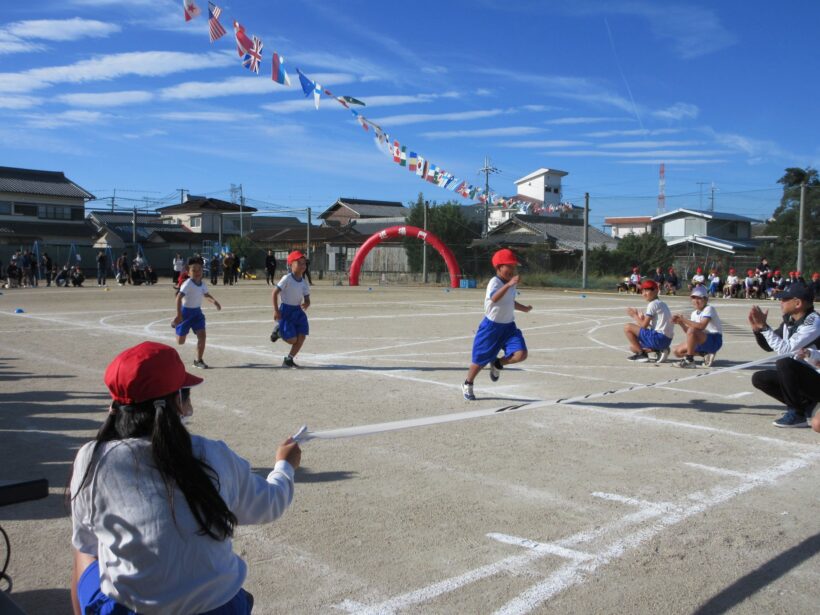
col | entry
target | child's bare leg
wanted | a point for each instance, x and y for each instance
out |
(296, 344)
(472, 372)
(181, 339)
(693, 340)
(516, 357)
(632, 331)
(680, 350)
(200, 344)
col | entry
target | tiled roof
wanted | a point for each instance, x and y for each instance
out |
(41, 183)
(197, 203)
(565, 236)
(368, 208)
(700, 213)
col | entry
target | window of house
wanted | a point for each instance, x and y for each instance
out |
(55, 212)
(196, 222)
(25, 209)
(5, 207)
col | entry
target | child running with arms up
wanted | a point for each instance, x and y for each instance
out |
(291, 322)
(704, 334)
(498, 331)
(189, 309)
(653, 328)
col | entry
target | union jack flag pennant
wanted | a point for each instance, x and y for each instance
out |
(278, 73)
(253, 56)
(216, 29)
(190, 8)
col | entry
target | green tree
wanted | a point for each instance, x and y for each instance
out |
(447, 223)
(781, 251)
(647, 251)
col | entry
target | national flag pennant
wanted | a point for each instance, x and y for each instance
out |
(279, 74)
(403, 156)
(352, 101)
(396, 152)
(253, 56)
(190, 9)
(215, 28)
(310, 87)
(412, 161)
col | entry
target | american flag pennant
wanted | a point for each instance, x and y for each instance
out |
(190, 9)
(278, 72)
(216, 31)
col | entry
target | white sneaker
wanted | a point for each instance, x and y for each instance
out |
(467, 391)
(662, 355)
(708, 359)
(495, 373)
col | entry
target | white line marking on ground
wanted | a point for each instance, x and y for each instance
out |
(714, 470)
(541, 547)
(614, 497)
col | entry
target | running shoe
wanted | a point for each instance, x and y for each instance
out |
(662, 356)
(275, 334)
(708, 359)
(686, 363)
(289, 362)
(639, 357)
(200, 364)
(495, 370)
(791, 419)
(467, 391)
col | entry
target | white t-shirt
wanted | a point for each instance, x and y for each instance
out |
(661, 317)
(697, 279)
(151, 561)
(293, 291)
(732, 280)
(709, 312)
(193, 293)
(503, 310)
(179, 264)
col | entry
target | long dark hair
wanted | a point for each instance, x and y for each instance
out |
(173, 455)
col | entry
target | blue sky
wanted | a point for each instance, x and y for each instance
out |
(126, 95)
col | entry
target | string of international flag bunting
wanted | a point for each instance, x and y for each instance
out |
(250, 48)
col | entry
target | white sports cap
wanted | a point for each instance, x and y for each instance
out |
(698, 291)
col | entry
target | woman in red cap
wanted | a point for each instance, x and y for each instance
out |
(290, 320)
(153, 508)
(497, 330)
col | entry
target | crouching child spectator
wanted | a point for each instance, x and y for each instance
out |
(653, 328)
(704, 333)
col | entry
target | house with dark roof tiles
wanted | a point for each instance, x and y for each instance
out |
(345, 210)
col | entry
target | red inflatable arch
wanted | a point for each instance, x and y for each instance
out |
(405, 231)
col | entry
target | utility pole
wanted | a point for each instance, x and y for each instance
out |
(712, 198)
(800, 239)
(241, 215)
(113, 200)
(424, 246)
(586, 241)
(182, 192)
(307, 249)
(134, 227)
(487, 169)
(700, 194)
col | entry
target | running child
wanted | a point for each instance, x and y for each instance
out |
(704, 333)
(497, 330)
(189, 309)
(653, 328)
(291, 322)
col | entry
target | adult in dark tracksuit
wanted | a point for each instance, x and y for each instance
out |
(793, 382)
(270, 268)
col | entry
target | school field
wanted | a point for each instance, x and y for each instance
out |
(673, 499)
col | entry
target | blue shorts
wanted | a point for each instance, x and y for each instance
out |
(192, 318)
(654, 340)
(294, 321)
(93, 601)
(492, 337)
(713, 343)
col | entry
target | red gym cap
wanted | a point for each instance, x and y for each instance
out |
(649, 285)
(699, 270)
(731, 270)
(504, 256)
(295, 256)
(147, 371)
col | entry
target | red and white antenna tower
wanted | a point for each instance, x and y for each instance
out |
(662, 190)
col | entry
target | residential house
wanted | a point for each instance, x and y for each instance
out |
(346, 211)
(691, 230)
(620, 227)
(207, 215)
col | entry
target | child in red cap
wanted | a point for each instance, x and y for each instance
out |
(497, 330)
(154, 508)
(291, 322)
(698, 279)
(732, 286)
(653, 328)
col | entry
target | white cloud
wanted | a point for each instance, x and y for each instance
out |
(683, 161)
(416, 118)
(106, 99)
(678, 111)
(206, 116)
(17, 37)
(649, 144)
(248, 84)
(569, 121)
(113, 66)
(637, 132)
(19, 102)
(660, 154)
(548, 143)
(66, 118)
(153, 132)
(509, 131)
